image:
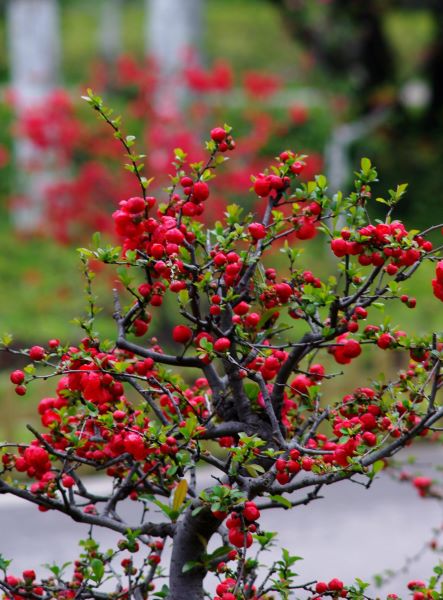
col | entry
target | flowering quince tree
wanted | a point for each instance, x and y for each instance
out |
(238, 376)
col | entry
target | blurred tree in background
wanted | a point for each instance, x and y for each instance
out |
(387, 56)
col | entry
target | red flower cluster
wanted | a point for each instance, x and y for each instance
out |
(241, 525)
(346, 349)
(377, 244)
(437, 283)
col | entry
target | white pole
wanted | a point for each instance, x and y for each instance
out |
(110, 35)
(34, 54)
(173, 39)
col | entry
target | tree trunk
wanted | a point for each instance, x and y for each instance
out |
(173, 36)
(190, 540)
(434, 114)
(110, 30)
(34, 54)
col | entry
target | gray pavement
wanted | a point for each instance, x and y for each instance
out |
(351, 532)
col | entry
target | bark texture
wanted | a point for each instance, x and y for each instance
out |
(190, 540)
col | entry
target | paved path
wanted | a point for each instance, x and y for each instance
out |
(352, 531)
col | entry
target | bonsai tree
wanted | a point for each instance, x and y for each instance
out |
(239, 391)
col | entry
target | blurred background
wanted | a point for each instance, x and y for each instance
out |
(334, 79)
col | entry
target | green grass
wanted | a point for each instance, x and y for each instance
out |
(250, 34)
(42, 289)
(37, 288)
(409, 33)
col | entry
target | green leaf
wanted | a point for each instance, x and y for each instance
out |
(210, 146)
(124, 276)
(322, 182)
(6, 339)
(401, 189)
(98, 569)
(206, 345)
(252, 390)
(163, 593)
(220, 159)
(233, 212)
(190, 424)
(55, 569)
(190, 565)
(361, 584)
(179, 154)
(86, 253)
(366, 165)
(163, 507)
(120, 367)
(311, 185)
(378, 466)
(207, 175)
(266, 538)
(146, 182)
(4, 563)
(254, 469)
(185, 254)
(131, 256)
(281, 500)
(183, 296)
(221, 551)
(91, 407)
(378, 305)
(96, 239)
